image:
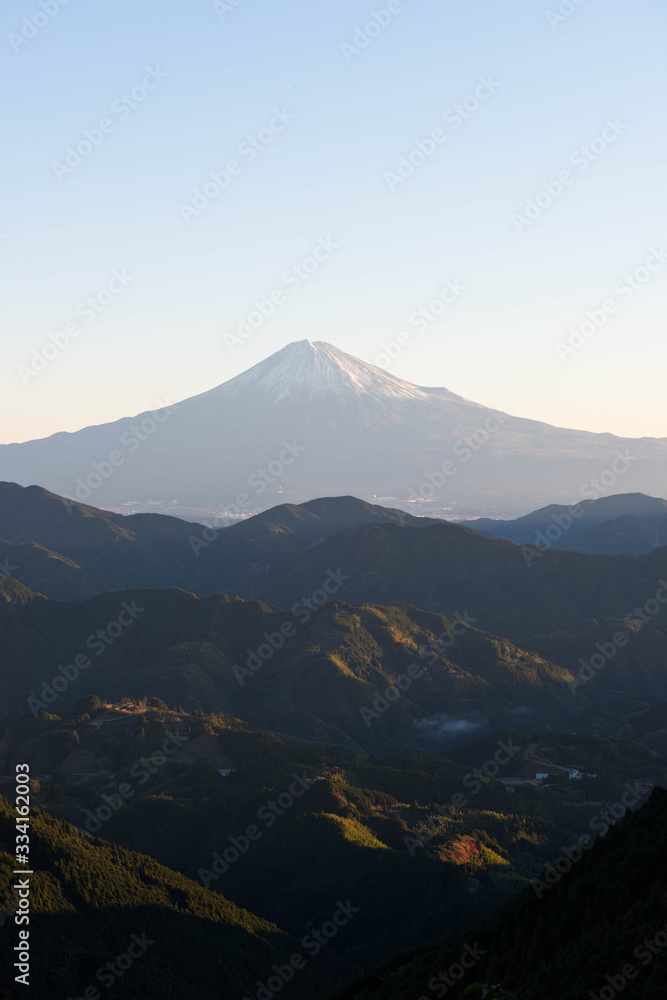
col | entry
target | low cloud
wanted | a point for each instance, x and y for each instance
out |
(446, 727)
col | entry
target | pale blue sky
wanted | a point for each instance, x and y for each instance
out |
(323, 175)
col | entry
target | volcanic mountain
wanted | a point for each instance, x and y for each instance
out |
(311, 420)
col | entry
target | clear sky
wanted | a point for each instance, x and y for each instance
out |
(316, 117)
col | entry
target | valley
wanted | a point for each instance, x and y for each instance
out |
(328, 708)
(333, 501)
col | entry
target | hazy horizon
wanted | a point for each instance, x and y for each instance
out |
(320, 126)
(79, 422)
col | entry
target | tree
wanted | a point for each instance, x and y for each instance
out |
(496, 992)
(88, 705)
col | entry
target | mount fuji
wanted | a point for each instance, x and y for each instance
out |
(312, 421)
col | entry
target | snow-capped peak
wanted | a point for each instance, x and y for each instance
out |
(316, 368)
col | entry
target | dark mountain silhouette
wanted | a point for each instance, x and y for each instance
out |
(69, 551)
(596, 927)
(84, 550)
(316, 675)
(446, 568)
(351, 835)
(627, 524)
(321, 672)
(92, 902)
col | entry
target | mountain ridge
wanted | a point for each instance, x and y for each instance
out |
(607, 895)
(622, 524)
(69, 550)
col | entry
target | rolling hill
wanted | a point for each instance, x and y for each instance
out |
(415, 840)
(69, 550)
(319, 675)
(511, 590)
(625, 524)
(594, 928)
(92, 902)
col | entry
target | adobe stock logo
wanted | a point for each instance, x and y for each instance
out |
(425, 147)
(130, 441)
(32, 25)
(224, 7)
(625, 289)
(555, 187)
(218, 180)
(303, 611)
(292, 280)
(564, 11)
(364, 34)
(634, 622)
(92, 138)
(88, 310)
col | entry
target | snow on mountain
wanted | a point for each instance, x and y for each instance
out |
(314, 421)
(316, 368)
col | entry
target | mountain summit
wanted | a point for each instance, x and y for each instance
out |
(311, 421)
(315, 368)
